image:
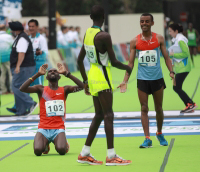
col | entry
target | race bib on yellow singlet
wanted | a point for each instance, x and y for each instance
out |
(91, 53)
(55, 108)
(148, 58)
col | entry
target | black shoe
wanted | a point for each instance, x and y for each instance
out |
(32, 108)
(12, 110)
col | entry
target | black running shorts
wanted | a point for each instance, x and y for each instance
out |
(150, 86)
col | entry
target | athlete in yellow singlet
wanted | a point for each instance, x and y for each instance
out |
(98, 49)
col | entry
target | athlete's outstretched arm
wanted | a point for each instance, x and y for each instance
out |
(165, 54)
(81, 57)
(123, 85)
(131, 59)
(25, 87)
(73, 89)
(115, 63)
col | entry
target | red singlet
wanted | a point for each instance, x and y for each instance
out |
(147, 45)
(53, 122)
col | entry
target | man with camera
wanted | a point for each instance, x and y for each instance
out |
(22, 66)
(40, 48)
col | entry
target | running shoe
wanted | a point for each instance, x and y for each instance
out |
(88, 159)
(117, 160)
(162, 140)
(189, 108)
(47, 149)
(146, 144)
(194, 106)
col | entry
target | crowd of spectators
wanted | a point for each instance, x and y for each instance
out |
(69, 37)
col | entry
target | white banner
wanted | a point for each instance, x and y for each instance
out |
(12, 9)
(2, 18)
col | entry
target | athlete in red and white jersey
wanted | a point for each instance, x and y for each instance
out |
(55, 122)
(52, 98)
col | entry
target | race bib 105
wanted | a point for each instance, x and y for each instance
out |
(147, 58)
(55, 108)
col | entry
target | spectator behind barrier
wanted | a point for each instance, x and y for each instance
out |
(22, 66)
(6, 42)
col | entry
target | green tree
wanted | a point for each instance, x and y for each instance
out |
(149, 6)
(34, 8)
(77, 7)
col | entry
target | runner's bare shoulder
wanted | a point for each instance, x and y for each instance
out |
(103, 36)
(133, 42)
(159, 37)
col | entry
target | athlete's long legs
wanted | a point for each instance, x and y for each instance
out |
(40, 143)
(195, 51)
(95, 122)
(61, 143)
(180, 77)
(158, 99)
(143, 97)
(106, 100)
(191, 54)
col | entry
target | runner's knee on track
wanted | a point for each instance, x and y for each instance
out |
(38, 150)
(61, 149)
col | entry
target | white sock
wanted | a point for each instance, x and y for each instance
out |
(111, 153)
(85, 151)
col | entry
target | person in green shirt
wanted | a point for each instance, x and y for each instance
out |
(193, 38)
(182, 64)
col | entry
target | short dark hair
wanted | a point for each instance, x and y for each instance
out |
(63, 28)
(148, 14)
(97, 12)
(176, 26)
(33, 21)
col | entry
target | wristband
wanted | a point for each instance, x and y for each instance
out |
(172, 72)
(85, 82)
(67, 75)
(31, 79)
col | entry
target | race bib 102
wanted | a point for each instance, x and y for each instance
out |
(148, 58)
(55, 108)
(91, 53)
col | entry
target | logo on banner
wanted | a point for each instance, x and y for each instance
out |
(2, 18)
(12, 9)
